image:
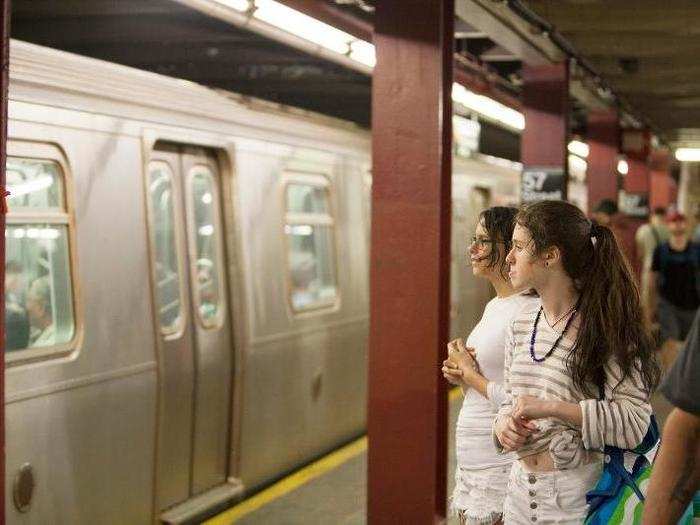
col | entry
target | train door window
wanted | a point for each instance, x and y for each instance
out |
(162, 216)
(39, 309)
(206, 234)
(309, 231)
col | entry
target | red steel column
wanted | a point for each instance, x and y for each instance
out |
(4, 82)
(410, 261)
(636, 145)
(603, 138)
(663, 187)
(544, 141)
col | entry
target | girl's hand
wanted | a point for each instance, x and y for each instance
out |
(530, 407)
(513, 432)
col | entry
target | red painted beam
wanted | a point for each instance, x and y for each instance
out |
(604, 142)
(4, 82)
(410, 261)
(663, 188)
(543, 143)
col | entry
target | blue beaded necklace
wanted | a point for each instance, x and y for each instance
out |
(534, 335)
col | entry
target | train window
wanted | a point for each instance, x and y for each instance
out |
(37, 184)
(165, 247)
(303, 198)
(208, 292)
(309, 230)
(39, 312)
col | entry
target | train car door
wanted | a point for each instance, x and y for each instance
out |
(191, 303)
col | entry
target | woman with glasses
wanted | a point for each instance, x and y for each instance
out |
(482, 474)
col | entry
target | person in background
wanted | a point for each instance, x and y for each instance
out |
(647, 238)
(482, 474)
(651, 234)
(16, 317)
(673, 295)
(606, 214)
(40, 310)
(676, 474)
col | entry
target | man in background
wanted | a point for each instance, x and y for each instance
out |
(647, 238)
(673, 295)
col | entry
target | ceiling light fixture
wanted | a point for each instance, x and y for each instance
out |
(622, 167)
(688, 154)
(579, 148)
(238, 5)
(301, 25)
(488, 107)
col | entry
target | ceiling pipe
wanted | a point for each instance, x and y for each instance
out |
(529, 16)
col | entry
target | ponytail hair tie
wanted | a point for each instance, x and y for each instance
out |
(596, 230)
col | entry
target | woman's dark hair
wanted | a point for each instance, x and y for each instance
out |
(610, 309)
(499, 222)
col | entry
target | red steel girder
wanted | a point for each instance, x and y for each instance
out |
(410, 261)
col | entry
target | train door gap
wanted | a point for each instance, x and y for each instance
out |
(190, 293)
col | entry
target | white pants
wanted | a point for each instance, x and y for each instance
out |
(558, 496)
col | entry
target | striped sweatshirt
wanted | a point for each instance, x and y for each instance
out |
(621, 419)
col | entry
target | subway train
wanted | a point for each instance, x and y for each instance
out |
(186, 289)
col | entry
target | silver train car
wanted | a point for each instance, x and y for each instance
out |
(187, 290)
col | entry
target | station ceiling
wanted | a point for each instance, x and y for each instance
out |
(646, 51)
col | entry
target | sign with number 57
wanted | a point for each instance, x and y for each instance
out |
(542, 183)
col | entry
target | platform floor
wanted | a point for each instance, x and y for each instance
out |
(333, 490)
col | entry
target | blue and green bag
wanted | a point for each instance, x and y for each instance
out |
(618, 498)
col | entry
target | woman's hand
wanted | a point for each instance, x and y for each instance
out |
(464, 359)
(513, 432)
(452, 373)
(530, 407)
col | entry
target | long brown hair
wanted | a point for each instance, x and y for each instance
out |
(611, 321)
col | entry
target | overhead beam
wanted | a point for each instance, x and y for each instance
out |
(508, 31)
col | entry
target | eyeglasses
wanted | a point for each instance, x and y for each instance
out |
(481, 242)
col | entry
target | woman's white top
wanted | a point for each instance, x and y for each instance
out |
(474, 443)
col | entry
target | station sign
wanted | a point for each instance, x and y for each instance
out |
(542, 183)
(633, 204)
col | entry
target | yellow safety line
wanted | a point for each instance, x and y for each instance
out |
(291, 482)
(294, 481)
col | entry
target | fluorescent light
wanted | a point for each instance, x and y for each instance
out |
(579, 148)
(206, 230)
(688, 154)
(622, 167)
(292, 21)
(38, 184)
(363, 52)
(238, 5)
(300, 229)
(488, 107)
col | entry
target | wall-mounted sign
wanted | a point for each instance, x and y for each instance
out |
(633, 204)
(538, 184)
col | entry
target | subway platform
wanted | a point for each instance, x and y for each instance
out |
(333, 490)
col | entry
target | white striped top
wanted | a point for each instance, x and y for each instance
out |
(621, 419)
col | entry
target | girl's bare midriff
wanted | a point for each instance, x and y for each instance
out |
(540, 462)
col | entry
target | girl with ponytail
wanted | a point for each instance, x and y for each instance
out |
(579, 368)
